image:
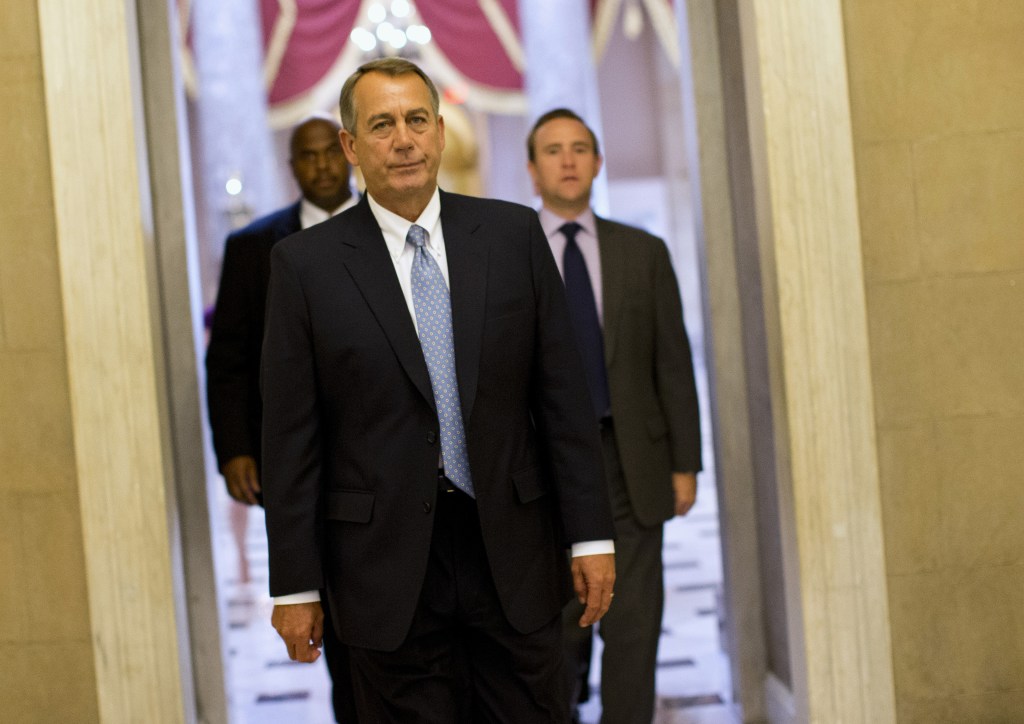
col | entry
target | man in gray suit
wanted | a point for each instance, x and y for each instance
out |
(627, 316)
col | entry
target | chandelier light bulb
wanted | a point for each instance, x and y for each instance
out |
(376, 13)
(363, 39)
(384, 31)
(419, 34)
(397, 39)
(400, 8)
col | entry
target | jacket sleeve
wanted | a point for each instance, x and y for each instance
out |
(229, 387)
(292, 451)
(673, 367)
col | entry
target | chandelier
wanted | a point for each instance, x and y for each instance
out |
(390, 29)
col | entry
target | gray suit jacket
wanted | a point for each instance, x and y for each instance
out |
(650, 368)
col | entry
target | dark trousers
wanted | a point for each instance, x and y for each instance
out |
(632, 626)
(462, 661)
(336, 654)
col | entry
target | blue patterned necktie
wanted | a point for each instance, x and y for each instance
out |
(434, 318)
(583, 312)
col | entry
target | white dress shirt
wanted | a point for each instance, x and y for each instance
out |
(395, 228)
(311, 214)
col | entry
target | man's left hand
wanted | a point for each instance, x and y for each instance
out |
(685, 486)
(593, 577)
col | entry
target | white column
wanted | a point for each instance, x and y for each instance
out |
(231, 133)
(707, 130)
(560, 69)
(805, 199)
(504, 148)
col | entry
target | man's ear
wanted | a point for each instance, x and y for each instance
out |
(348, 143)
(440, 128)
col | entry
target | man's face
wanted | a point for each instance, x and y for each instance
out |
(319, 165)
(564, 165)
(397, 141)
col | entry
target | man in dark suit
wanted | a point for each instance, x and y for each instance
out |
(627, 314)
(236, 334)
(420, 330)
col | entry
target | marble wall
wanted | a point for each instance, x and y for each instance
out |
(816, 330)
(938, 131)
(44, 613)
(938, 127)
(87, 611)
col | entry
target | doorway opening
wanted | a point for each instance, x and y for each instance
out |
(647, 187)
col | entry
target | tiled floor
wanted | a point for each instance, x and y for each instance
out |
(693, 673)
(264, 686)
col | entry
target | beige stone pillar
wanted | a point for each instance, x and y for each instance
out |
(45, 634)
(815, 319)
(106, 267)
(938, 127)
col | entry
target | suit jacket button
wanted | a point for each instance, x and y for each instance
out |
(427, 507)
(431, 437)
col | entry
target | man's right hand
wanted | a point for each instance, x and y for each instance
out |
(301, 627)
(242, 479)
(593, 579)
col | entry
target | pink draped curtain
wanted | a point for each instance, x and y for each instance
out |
(302, 40)
(467, 38)
(305, 39)
(480, 40)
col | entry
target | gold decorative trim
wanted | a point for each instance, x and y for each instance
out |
(502, 27)
(280, 36)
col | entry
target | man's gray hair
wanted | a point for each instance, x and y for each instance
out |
(393, 67)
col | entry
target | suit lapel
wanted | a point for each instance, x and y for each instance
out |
(613, 283)
(374, 273)
(467, 273)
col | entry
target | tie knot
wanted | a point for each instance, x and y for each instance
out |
(570, 229)
(417, 236)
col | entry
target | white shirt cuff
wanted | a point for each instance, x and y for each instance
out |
(592, 548)
(304, 597)
(584, 548)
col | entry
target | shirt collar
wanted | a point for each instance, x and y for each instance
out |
(310, 214)
(395, 228)
(552, 222)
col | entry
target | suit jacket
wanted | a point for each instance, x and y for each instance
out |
(351, 436)
(650, 368)
(236, 335)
